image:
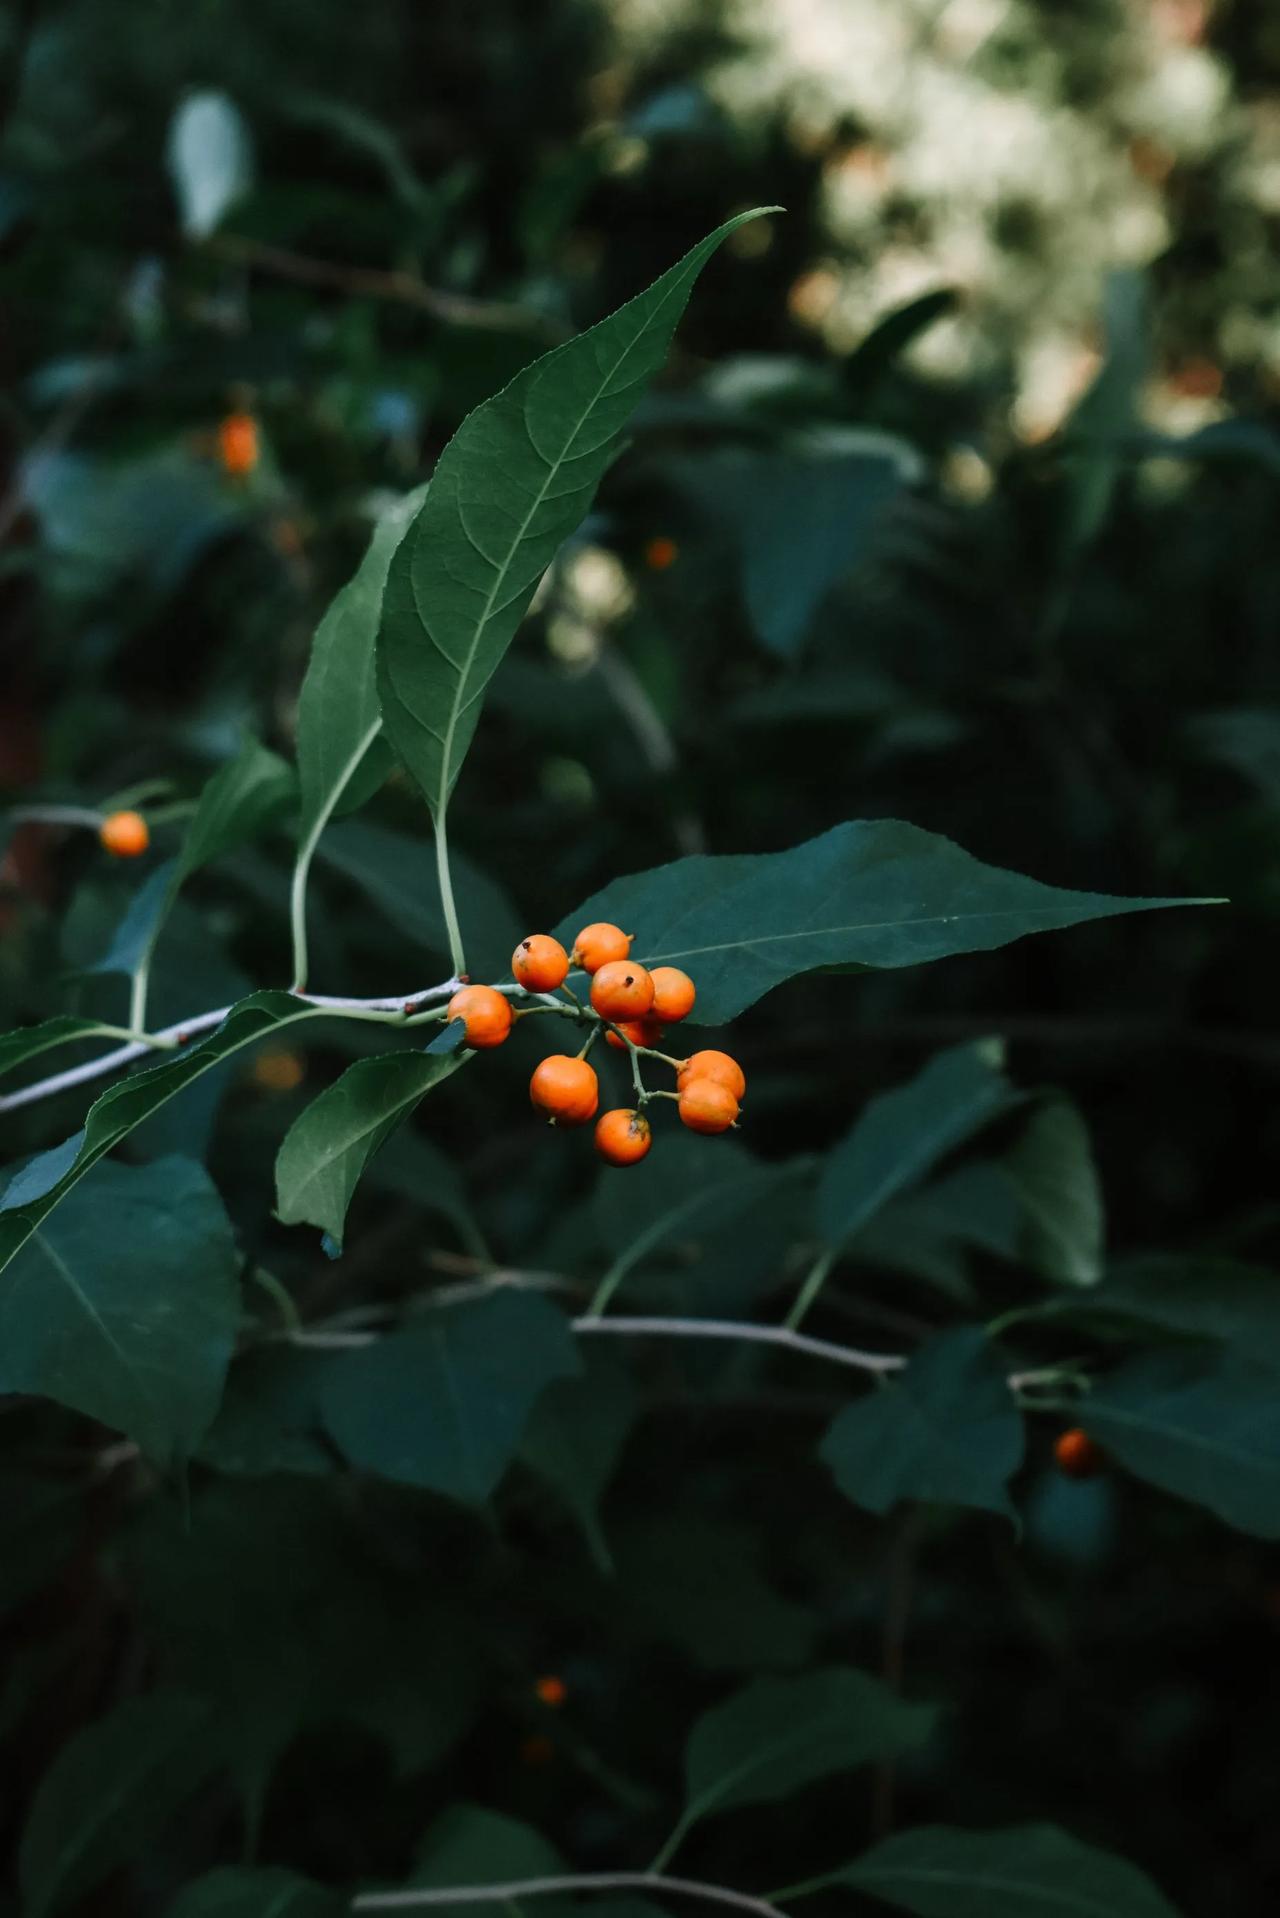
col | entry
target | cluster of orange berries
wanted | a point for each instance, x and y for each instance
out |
(634, 1006)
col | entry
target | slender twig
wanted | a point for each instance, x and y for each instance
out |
(445, 877)
(734, 1329)
(178, 1034)
(568, 1883)
(813, 1283)
(405, 289)
(55, 816)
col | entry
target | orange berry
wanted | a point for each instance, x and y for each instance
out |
(1077, 1455)
(622, 1137)
(713, 1065)
(707, 1106)
(566, 1089)
(487, 1015)
(622, 989)
(540, 963)
(660, 552)
(641, 1032)
(125, 834)
(551, 1691)
(596, 944)
(673, 993)
(278, 1071)
(238, 444)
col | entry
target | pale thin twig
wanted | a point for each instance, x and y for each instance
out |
(878, 1362)
(569, 1883)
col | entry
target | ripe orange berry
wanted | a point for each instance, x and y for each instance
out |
(660, 552)
(540, 963)
(278, 1071)
(1077, 1455)
(125, 834)
(673, 993)
(596, 944)
(707, 1106)
(486, 1013)
(641, 1032)
(238, 444)
(551, 1691)
(623, 1137)
(622, 989)
(713, 1065)
(566, 1089)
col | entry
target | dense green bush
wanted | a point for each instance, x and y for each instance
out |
(395, 1499)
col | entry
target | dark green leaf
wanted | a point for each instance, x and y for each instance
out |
(1199, 1296)
(269, 1419)
(124, 1304)
(235, 805)
(695, 1581)
(1024, 1871)
(47, 1180)
(513, 483)
(470, 1845)
(397, 873)
(1057, 1183)
(328, 1146)
(575, 1436)
(109, 1794)
(902, 1135)
(138, 930)
(781, 1734)
(875, 892)
(1205, 1428)
(28, 1042)
(444, 1403)
(338, 714)
(947, 1431)
(238, 1892)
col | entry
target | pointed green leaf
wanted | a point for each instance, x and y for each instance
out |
(871, 892)
(470, 1845)
(1056, 1180)
(28, 1042)
(45, 1182)
(513, 483)
(1198, 1296)
(269, 1419)
(108, 1795)
(329, 1145)
(237, 1892)
(1204, 1428)
(124, 1305)
(780, 1734)
(338, 714)
(397, 873)
(444, 1403)
(574, 1439)
(1024, 1871)
(235, 804)
(946, 1431)
(902, 1135)
(139, 928)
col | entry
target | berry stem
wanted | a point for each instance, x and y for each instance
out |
(812, 1284)
(445, 877)
(589, 1041)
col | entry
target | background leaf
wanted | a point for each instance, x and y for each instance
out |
(947, 1431)
(1057, 1183)
(210, 159)
(264, 1892)
(125, 1304)
(1026, 1871)
(444, 1403)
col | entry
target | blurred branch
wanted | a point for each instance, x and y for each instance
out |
(568, 1883)
(402, 288)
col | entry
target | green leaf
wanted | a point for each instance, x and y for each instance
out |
(871, 892)
(947, 1431)
(136, 935)
(338, 714)
(1024, 1871)
(125, 1304)
(235, 805)
(269, 1420)
(236, 1892)
(1206, 1428)
(28, 1042)
(444, 1403)
(695, 1580)
(327, 1148)
(902, 1135)
(1199, 1296)
(778, 1735)
(513, 483)
(1053, 1171)
(470, 1845)
(397, 873)
(47, 1180)
(108, 1795)
(575, 1437)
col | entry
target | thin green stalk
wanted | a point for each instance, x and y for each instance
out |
(138, 993)
(456, 954)
(814, 1280)
(673, 1844)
